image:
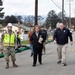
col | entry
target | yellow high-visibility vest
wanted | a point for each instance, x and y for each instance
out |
(9, 40)
(19, 36)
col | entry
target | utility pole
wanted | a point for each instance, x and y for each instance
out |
(74, 17)
(36, 12)
(62, 11)
(69, 13)
(74, 12)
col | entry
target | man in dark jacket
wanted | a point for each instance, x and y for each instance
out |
(61, 38)
(37, 41)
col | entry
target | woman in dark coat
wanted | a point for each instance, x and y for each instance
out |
(37, 41)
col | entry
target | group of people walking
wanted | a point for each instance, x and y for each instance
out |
(37, 39)
(61, 38)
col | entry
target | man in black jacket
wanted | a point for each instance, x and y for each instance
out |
(37, 41)
(61, 38)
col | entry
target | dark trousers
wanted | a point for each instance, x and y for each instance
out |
(37, 52)
(18, 42)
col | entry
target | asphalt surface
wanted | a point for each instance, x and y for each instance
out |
(49, 66)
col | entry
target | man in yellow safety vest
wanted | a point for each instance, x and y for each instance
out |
(9, 44)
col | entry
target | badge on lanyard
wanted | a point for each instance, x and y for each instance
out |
(64, 30)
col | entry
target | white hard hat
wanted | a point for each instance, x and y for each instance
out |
(9, 25)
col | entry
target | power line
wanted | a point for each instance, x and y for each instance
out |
(56, 4)
(59, 6)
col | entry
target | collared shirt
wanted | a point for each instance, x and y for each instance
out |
(37, 34)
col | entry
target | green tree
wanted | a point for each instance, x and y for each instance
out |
(10, 19)
(13, 19)
(60, 17)
(29, 20)
(52, 19)
(1, 13)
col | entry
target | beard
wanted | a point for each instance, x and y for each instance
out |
(9, 31)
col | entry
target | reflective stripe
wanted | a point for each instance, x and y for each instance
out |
(7, 44)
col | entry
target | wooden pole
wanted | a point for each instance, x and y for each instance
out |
(36, 12)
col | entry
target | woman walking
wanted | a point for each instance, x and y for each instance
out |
(37, 41)
(29, 36)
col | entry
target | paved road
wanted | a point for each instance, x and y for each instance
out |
(49, 66)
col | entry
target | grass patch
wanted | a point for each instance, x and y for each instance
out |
(25, 42)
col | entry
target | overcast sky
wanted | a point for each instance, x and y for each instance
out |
(26, 7)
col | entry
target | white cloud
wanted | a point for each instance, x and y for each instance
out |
(27, 7)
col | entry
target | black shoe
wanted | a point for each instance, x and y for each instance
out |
(58, 62)
(64, 64)
(40, 63)
(31, 54)
(7, 67)
(33, 65)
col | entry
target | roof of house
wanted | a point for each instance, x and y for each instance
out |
(23, 27)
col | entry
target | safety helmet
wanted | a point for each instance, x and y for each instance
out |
(9, 25)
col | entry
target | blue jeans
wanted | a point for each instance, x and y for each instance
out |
(31, 47)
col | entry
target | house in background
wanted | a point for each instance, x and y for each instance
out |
(14, 28)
